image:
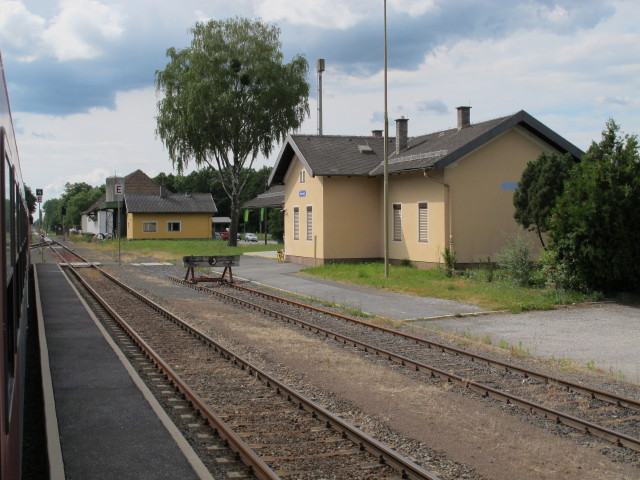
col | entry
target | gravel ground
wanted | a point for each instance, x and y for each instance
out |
(426, 422)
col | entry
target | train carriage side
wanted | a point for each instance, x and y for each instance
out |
(14, 270)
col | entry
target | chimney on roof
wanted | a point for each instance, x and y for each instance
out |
(402, 133)
(163, 191)
(464, 117)
(376, 133)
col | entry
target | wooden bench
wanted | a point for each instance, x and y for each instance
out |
(226, 261)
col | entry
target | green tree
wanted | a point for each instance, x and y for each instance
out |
(30, 199)
(227, 98)
(541, 184)
(52, 215)
(596, 222)
(276, 224)
(79, 203)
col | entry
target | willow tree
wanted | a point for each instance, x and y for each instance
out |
(227, 99)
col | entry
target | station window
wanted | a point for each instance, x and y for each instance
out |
(423, 222)
(296, 223)
(173, 226)
(309, 222)
(303, 176)
(397, 222)
(149, 227)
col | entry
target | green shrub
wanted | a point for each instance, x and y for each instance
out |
(449, 258)
(515, 260)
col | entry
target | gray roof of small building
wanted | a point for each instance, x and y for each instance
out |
(340, 156)
(273, 197)
(175, 203)
(137, 182)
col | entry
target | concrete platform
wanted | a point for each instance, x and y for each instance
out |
(103, 423)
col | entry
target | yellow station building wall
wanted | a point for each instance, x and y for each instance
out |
(482, 188)
(470, 203)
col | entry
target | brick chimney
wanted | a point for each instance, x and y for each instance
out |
(163, 191)
(464, 117)
(402, 134)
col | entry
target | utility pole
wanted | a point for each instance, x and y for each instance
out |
(320, 68)
(385, 196)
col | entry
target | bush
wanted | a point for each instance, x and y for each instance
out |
(449, 257)
(515, 260)
(595, 224)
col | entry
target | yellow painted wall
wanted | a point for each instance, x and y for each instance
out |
(482, 202)
(409, 190)
(347, 220)
(353, 218)
(301, 195)
(193, 225)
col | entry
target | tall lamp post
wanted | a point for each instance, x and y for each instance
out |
(385, 196)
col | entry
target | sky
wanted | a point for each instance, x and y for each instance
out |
(81, 73)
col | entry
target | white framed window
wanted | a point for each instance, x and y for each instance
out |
(397, 222)
(149, 227)
(303, 175)
(423, 222)
(296, 223)
(309, 222)
(174, 226)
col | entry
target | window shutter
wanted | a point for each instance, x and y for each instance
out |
(423, 222)
(397, 222)
(309, 222)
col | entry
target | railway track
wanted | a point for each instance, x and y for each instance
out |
(603, 414)
(274, 430)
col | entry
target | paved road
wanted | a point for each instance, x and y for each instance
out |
(606, 336)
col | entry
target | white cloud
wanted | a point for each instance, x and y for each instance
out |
(80, 28)
(89, 147)
(328, 14)
(412, 7)
(20, 30)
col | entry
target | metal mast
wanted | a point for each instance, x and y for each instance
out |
(320, 68)
(385, 196)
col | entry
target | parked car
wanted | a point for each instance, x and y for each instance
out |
(250, 237)
(225, 235)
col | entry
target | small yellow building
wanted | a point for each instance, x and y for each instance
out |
(452, 188)
(169, 216)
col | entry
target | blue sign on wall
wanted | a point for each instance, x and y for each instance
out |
(302, 193)
(509, 185)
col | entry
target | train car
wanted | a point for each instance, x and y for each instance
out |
(14, 265)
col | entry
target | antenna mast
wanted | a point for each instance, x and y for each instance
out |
(320, 69)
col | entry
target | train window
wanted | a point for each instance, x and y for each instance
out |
(9, 326)
(8, 231)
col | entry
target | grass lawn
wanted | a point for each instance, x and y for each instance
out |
(171, 250)
(499, 294)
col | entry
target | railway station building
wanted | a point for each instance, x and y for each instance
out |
(453, 188)
(150, 211)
